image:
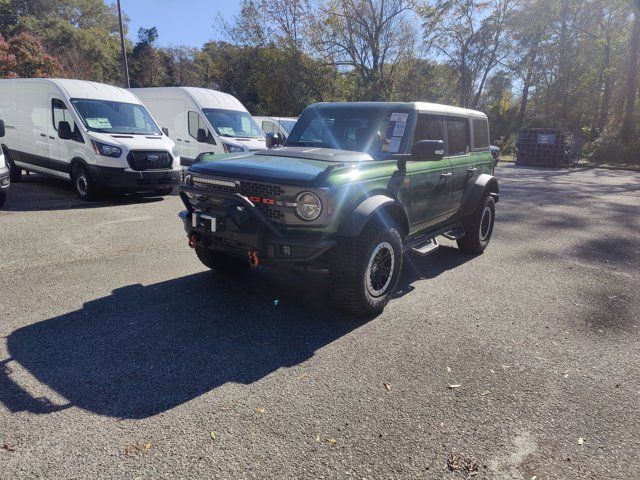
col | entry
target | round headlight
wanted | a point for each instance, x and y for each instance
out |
(308, 206)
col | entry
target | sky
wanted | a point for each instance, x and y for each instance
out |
(179, 22)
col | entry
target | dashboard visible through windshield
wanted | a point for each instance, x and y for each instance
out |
(115, 117)
(380, 132)
(233, 123)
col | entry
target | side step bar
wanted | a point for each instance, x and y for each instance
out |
(426, 248)
(427, 243)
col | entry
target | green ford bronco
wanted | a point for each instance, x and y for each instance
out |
(356, 186)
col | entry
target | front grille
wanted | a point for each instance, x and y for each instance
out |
(143, 160)
(248, 189)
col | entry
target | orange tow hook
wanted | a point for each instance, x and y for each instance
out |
(193, 240)
(254, 260)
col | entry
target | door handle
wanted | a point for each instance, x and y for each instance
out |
(472, 169)
(187, 141)
(52, 138)
(179, 139)
(43, 135)
(446, 176)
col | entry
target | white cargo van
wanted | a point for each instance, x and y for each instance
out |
(98, 136)
(202, 121)
(4, 171)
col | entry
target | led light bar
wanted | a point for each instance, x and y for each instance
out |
(214, 181)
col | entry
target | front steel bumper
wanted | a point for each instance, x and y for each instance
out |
(255, 233)
(133, 181)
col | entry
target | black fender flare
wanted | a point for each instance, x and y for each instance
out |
(484, 184)
(375, 206)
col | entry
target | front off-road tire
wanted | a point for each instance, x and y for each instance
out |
(219, 262)
(478, 227)
(364, 270)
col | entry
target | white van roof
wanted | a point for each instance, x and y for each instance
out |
(204, 97)
(84, 89)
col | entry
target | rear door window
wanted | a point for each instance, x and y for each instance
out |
(480, 133)
(458, 136)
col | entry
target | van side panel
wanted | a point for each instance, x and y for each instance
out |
(8, 114)
(32, 115)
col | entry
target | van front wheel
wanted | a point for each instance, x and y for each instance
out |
(83, 185)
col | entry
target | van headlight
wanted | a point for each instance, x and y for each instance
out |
(308, 206)
(106, 150)
(232, 148)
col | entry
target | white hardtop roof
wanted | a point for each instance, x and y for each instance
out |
(437, 108)
(85, 89)
(204, 97)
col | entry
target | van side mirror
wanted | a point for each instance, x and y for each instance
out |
(202, 135)
(272, 139)
(165, 130)
(427, 150)
(64, 130)
(2, 130)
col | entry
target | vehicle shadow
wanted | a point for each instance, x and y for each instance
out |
(417, 267)
(146, 349)
(38, 193)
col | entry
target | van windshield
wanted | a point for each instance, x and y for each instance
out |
(382, 132)
(115, 117)
(233, 123)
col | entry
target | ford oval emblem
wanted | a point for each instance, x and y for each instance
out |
(152, 158)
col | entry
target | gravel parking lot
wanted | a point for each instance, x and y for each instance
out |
(121, 357)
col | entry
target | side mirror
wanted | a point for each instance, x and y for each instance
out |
(2, 130)
(427, 150)
(165, 130)
(202, 135)
(272, 139)
(64, 131)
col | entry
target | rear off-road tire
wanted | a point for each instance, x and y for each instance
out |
(365, 270)
(478, 227)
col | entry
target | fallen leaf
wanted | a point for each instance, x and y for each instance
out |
(581, 441)
(486, 392)
(213, 435)
(147, 447)
(455, 385)
(8, 447)
(448, 369)
(332, 441)
(387, 386)
(303, 376)
(260, 410)
(317, 438)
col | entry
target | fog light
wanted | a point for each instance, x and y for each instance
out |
(285, 250)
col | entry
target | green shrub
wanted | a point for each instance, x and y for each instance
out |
(609, 149)
(507, 145)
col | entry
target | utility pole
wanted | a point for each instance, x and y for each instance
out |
(124, 50)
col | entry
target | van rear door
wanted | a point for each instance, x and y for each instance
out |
(32, 123)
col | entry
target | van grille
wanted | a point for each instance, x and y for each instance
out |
(140, 161)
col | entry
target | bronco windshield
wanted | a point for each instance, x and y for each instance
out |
(115, 117)
(379, 131)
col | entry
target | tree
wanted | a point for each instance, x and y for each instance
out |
(7, 60)
(471, 35)
(24, 56)
(365, 40)
(631, 88)
(146, 67)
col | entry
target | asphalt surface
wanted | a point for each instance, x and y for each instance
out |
(121, 357)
